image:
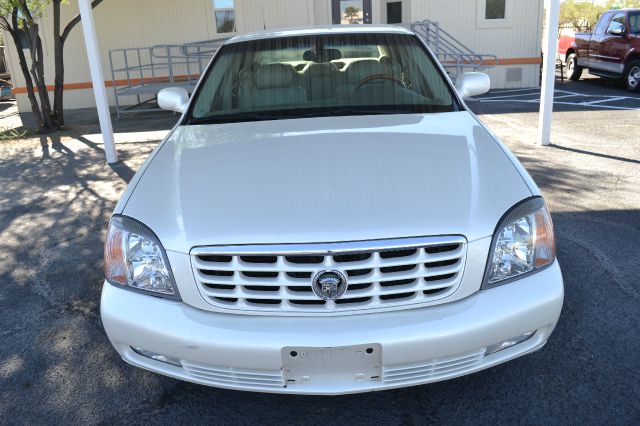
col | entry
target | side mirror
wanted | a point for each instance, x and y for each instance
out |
(473, 84)
(619, 31)
(173, 99)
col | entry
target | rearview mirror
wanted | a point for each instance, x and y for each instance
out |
(473, 84)
(173, 99)
(324, 55)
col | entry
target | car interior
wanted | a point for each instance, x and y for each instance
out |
(300, 77)
(283, 83)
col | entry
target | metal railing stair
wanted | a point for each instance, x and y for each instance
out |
(454, 56)
(142, 72)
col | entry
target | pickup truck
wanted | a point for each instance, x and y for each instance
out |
(611, 51)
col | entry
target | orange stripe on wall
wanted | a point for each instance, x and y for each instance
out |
(519, 61)
(504, 61)
(111, 83)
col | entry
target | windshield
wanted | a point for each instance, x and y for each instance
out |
(312, 76)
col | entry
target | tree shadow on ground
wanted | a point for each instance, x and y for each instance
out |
(5, 105)
(56, 197)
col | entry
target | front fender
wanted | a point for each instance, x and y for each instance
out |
(632, 54)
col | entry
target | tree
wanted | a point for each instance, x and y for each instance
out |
(622, 4)
(20, 19)
(351, 12)
(582, 15)
(579, 15)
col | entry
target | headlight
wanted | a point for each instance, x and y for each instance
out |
(135, 259)
(522, 244)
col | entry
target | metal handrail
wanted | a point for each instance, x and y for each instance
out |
(170, 64)
(162, 65)
(452, 53)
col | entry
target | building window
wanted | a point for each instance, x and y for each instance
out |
(494, 13)
(225, 13)
(495, 9)
(347, 12)
(394, 12)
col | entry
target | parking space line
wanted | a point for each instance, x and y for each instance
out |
(536, 101)
(573, 93)
(618, 98)
(536, 93)
(582, 99)
(600, 106)
(517, 90)
(565, 96)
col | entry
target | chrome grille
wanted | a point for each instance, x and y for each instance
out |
(380, 274)
(436, 369)
(228, 376)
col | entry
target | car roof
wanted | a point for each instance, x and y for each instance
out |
(320, 30)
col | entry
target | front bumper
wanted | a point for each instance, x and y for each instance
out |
(417, 345)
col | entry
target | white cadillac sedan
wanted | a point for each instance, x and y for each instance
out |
(329, 217)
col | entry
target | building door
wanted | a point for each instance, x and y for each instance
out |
(351, 11)
(394, 12)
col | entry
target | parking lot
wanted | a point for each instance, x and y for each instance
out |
(57, 366)
(590, 93)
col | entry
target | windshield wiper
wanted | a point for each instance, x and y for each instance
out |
(308, 113)
(226, 118)
(361, 111)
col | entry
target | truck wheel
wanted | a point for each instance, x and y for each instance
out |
(632, 76)
(574, 71)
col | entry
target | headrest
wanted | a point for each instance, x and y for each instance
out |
(359, 70)
(274, 75)
(326, 68)
(245, 76)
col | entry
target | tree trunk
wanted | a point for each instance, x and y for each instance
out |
(22, 60)
(37, 63)
(58, 53)
(14, 30)
(37, 72)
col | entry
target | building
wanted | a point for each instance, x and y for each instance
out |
(509, 29)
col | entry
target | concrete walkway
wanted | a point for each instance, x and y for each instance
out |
(9, 117)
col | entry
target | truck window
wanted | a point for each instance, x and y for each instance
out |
(618, 23)
(634, 22)
(602, 24)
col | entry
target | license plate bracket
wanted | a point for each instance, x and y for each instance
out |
(360, 363)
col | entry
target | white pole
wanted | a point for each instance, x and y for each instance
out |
(552, 15)
(97, 78)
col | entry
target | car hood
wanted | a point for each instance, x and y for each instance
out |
(326, 180)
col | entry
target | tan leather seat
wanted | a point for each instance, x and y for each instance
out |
(321, 80)
(274, 85)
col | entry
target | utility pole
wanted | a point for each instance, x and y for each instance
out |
(97, 78)
(552, 17)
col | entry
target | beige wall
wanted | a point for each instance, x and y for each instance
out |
(252, 15)
(520, 38)
(139, 23)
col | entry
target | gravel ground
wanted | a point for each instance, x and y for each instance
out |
(57, 367)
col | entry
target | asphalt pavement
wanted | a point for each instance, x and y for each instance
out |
(57, 366)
